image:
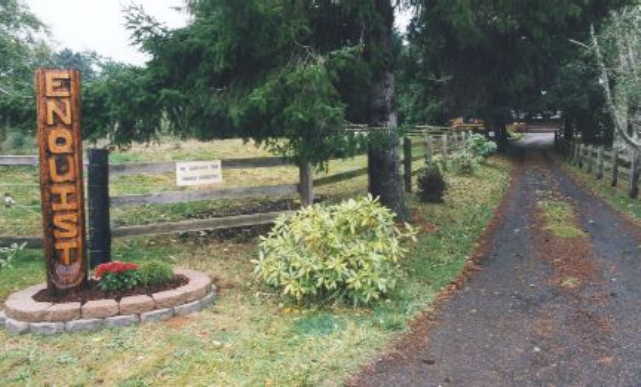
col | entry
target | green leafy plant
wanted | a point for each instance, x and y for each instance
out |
(7, 254)
(118, 276)
(155, 273)
(480, 146)
(431, 184)
(464, 162)
(344, 252)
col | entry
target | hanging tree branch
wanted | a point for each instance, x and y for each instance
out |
(619, 113)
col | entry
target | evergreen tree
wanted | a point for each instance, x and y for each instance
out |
(285, 73)
(502, 57)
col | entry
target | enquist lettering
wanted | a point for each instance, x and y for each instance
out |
(61, 181)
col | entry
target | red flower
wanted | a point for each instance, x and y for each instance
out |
(114, 267)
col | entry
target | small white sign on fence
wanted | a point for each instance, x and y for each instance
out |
(199, 173)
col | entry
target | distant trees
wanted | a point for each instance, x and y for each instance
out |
(505, 57)
(21, 50)
(24, 47)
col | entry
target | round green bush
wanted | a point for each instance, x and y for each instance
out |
(431, 184)
(465, 162)
(155, 273)
(345, 252)
(480, 146)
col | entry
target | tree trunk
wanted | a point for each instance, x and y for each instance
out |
(500, 132)
(385, 181)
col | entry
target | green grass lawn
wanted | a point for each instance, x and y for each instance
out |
(251, 336)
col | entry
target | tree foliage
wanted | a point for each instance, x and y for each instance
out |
(21, 50)
(285, 74)
(503, 58)
(618, 53)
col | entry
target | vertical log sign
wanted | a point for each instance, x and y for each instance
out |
(61, 181)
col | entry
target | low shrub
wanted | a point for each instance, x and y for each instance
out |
(479, 146)
(7, 254)
(344, 252)
(155, 273)
(117, 276)
(431, 184)
(464, 162)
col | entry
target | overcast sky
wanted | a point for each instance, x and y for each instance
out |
(99, 24)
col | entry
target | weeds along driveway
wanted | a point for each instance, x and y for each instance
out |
(556, 301)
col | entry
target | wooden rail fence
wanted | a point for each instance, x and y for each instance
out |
(609, 164)
(427, 141)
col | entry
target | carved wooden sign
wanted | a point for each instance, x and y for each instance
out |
(61, 184)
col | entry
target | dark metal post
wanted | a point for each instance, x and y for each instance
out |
(407, 163)
(99, 222)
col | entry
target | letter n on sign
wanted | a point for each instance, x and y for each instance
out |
(61, 184)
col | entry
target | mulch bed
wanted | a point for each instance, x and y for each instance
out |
(245, 233)
(93, 293)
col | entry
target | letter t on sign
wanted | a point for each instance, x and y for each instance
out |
(61, 184)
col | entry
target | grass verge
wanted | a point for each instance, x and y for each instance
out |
(617, 197)
(251, 337)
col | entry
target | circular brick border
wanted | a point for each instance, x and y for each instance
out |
(23, 314)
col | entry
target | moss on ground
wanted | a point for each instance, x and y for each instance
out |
(559, 218)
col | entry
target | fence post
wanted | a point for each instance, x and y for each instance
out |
(615, 166)
(99, 219)
(429, 148)
(306, 184)
(599, 161)
(407, 163)
(579, 159)
(634, 174)
(590, 161)
(444, 144)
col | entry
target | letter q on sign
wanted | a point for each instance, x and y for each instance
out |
(60, 141)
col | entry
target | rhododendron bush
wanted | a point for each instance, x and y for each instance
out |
(345, 252)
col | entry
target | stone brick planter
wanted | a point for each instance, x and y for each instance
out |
(22, 314)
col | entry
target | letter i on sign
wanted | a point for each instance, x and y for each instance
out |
(61, 183)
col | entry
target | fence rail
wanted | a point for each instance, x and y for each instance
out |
(424, 138)
(155, 167)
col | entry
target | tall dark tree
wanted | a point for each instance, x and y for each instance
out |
(502, 57)
(383, 158)
(285, 73)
